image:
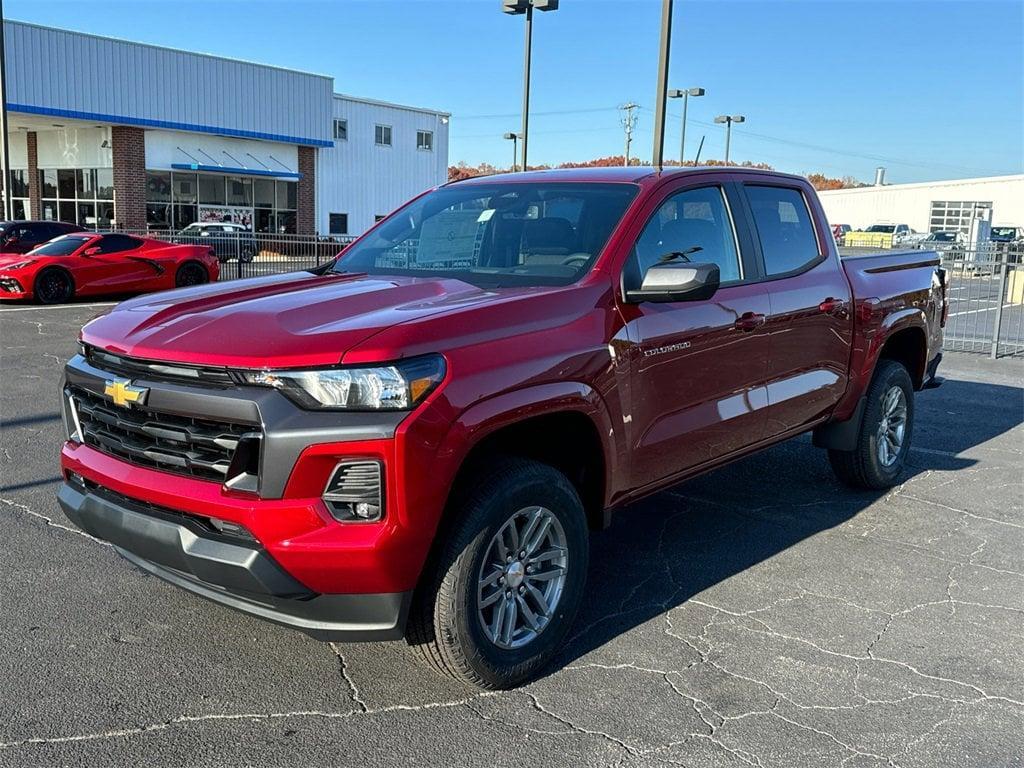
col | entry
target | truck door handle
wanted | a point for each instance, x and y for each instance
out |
(831, 306)
(748, 321)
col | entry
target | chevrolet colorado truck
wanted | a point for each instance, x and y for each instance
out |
(414, 440)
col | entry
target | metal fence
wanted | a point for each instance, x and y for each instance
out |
(247, 254)
(986, 292)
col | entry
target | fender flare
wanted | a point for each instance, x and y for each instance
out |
(486, 417)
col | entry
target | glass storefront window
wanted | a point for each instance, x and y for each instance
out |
(211, 190)
(185, 215)
(264, 193)
(66, 211)
(20, 209)
(85, 182)
(158, 187)
(239, 191)
(264, 220)
(287, 195)
(87, 214)
(66, 184)
(184, 187)
(158, 215)
(105, 183)
(49, 210)
(19, 183)
(48, 182)
(104, 213)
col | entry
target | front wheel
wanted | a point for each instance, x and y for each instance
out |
(884, 439)
(54, 286)
(508, 579)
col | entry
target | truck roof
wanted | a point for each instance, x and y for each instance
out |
(621, 174)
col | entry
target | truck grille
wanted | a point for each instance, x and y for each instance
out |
(131, 367)
(187, 446)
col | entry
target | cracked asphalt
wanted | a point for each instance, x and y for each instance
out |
(760, 615)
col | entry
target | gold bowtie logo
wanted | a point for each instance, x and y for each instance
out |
(122, 393)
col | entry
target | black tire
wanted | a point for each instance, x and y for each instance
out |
(54, 286)
(863, 467)
(445, 626)
(191, 273)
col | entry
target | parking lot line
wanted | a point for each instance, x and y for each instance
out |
(6, 310)
(972, 311)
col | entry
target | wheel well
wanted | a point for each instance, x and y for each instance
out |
(909, 348)
(567, 440)
(55, 268)
(197, 263)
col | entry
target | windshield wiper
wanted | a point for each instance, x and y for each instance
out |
(681, 255)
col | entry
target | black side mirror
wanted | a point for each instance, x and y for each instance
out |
(676, 282)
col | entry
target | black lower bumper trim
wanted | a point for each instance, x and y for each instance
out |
(242, 577)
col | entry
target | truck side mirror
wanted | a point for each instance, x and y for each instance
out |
(676, 282)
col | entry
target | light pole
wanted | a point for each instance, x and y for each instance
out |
(659, 105)
(729, 120)
(5, 150)
(685, 95)
(515, 152)
(516, 8)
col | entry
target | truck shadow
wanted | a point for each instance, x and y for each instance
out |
(660, 552)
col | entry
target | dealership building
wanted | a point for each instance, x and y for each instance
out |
(111, 133)
(930, 206)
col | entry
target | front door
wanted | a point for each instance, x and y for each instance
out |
(697, 369)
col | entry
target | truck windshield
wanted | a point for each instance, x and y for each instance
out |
(516, 234)
(887, 229)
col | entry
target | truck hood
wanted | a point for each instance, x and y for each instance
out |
(290, 320)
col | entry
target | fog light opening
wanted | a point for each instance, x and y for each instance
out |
(355, 492)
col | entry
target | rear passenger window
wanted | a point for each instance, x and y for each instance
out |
(784, 228)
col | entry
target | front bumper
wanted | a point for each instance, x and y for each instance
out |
(13, 288)
(229, 570)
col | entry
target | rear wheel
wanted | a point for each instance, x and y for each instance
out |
(507, 584)
(191, 273)
(884, 438)
(54, 286)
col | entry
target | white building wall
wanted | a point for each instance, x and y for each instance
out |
(363, 180)
(911, 203)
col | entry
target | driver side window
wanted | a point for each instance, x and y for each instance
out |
(695, 225)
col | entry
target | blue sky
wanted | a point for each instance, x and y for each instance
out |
(931, 90)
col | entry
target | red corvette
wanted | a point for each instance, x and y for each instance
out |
(91, 264)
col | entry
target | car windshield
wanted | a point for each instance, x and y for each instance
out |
(64, 245)
(944, 237)
(887, 229)
(518, 233)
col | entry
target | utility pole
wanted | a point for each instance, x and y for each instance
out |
(628, 124)
(662, 94)
(5, 148)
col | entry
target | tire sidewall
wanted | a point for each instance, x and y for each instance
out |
(500, 667)
(191, 265)
(890, 374)
(69, 282)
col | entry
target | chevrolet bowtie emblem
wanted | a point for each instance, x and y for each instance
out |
(122, 393)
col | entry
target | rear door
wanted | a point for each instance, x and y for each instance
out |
(696, 368)
(809, 323)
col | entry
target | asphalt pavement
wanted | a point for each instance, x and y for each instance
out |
(760, 615)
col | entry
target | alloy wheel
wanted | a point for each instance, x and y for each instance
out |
(892, 427)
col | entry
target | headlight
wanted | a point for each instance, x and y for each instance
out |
(20, 264)
(394, 387)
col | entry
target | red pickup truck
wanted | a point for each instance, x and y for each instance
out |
(415, 439)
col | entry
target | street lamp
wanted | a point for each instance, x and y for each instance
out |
(515, 154)
(517, 8)
(685, 96)
(729, 120)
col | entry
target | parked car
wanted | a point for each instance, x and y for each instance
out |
(23, 236)
(415, 439)
(92, 264)
(228, 241)
(1005, 234)
(943, 242)
(839, 232)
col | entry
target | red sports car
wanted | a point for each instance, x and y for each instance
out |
(91, 264)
